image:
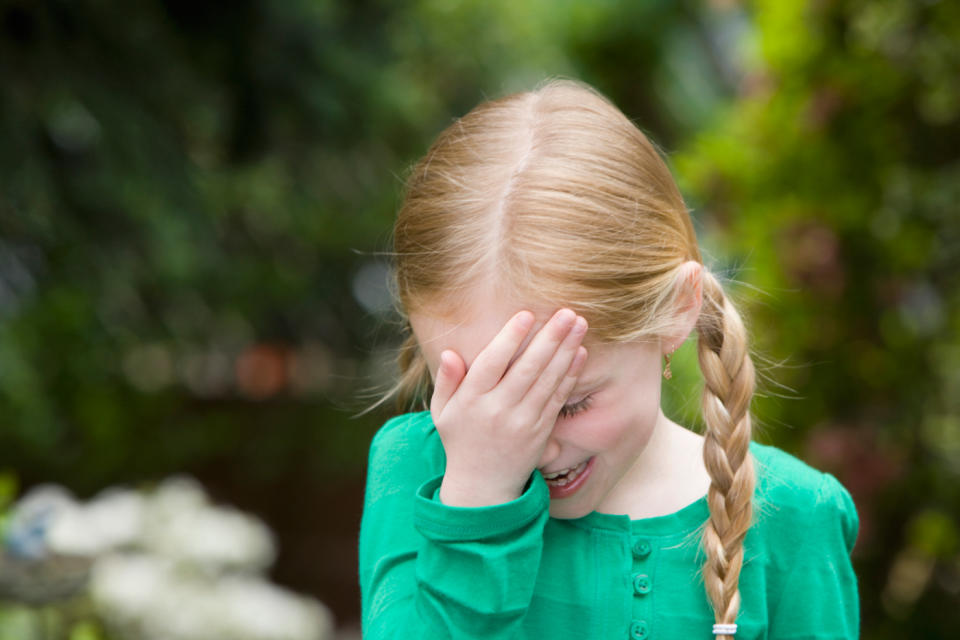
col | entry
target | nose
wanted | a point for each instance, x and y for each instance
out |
(550, 453)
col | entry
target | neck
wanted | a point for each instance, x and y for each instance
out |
(667, 475)
(658, 460)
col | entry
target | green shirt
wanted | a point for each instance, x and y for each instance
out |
(428, 570)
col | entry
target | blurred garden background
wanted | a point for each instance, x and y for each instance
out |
(196, 201)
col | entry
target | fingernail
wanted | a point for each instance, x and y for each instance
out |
(580, 326)
(524, 319)
(565, 317)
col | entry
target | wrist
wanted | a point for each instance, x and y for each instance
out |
(485, 492)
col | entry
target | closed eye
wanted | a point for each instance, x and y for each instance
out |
(569, 410)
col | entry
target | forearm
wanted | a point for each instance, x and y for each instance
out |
(470, 575)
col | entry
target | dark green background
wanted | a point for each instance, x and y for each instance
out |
(195, 200)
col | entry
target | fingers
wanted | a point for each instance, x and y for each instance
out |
(490, 364)
(450, 373)
(556, 400)
(558, 372)
(541, 367)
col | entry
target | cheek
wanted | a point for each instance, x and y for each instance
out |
(630, 421)
(611, 428)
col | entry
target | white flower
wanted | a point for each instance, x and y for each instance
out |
(156, 599)
(177, 494)
(111, 520)
(127, 585)
(183, 525)
(261, 611)
(169, 565)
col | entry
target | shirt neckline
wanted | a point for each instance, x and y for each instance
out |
(686, 519)
(683, 521)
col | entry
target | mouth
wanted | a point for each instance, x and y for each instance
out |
(566, 482)
(565, 476)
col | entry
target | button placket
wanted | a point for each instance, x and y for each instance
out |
(642, 584)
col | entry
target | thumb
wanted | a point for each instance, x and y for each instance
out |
(450, 374)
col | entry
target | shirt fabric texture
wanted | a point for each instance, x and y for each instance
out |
(430, 570)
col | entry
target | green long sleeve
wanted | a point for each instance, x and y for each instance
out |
(440, 571)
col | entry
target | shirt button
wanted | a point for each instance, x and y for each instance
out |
(641, 548)
(641, 584)
(638, 630)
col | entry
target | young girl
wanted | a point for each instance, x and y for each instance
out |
(546, 262)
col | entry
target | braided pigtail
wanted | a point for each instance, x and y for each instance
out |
(729, 384)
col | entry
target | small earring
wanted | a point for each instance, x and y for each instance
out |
(666, 370)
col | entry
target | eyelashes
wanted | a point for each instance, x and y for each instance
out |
(569, 410)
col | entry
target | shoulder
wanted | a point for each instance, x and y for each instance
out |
(406, 431)
(805, 527)
(784, 475)
(791, 495)
(406, 448)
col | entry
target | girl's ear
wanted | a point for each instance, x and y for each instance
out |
(688, 303)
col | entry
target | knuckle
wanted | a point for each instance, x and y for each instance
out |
(499, 416)
(525, 420)
(557, 379)
(559, 396)
(516, 419)
(551, 382)
(496, 415)
(525, 369)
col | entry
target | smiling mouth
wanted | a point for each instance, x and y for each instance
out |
(565, 476)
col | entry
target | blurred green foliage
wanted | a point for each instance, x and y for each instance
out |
(195, 199)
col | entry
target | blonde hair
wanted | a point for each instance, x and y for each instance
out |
(556, 196)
